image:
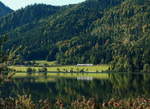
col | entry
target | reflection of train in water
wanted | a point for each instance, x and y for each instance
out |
(84, 64)
(85, 78)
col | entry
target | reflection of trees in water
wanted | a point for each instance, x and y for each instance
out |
(70, 89)
(118, 85)
(130, 84)
(66, 89)
(27, 87)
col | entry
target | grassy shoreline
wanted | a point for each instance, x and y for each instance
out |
(65, 75)
(95, 68)
(71, 71)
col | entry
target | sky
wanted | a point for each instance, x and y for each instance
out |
(17, 4)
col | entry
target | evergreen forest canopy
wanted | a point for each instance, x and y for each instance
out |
(115, 32)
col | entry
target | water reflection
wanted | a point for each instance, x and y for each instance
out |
(116, 86)
(130, 84)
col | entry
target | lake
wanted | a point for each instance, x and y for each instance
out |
(118, 86)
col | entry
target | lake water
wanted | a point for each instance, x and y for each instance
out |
(70, 89)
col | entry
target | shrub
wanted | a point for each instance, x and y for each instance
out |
(29, 70)
(44, 69)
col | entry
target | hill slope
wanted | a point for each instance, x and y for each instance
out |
(4, 10)
(27, 15)
(67, 23)
(96, 31)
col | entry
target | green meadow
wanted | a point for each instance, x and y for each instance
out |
(64, 71)
(96, 68)
(43, 62)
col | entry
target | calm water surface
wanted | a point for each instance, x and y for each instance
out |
(69, 89)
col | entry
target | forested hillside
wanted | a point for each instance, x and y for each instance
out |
(67, 23)
(4, 10)
(30, 14)
(96, 31)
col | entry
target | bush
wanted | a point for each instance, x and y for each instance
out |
(44, 69)
(58, 70)
(29, 70)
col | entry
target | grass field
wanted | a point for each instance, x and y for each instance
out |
(42, 62)
(97, 68)
(40, 77)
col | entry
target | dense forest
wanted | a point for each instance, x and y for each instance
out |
(115, 32)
